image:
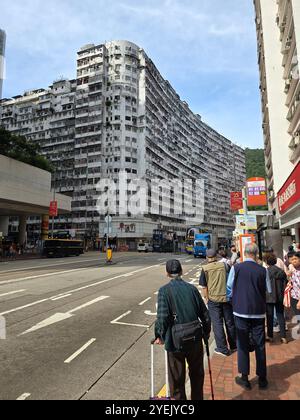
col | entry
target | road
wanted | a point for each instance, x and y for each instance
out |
(79, 329)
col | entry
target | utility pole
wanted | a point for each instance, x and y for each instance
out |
(245, 204)
(54, 197)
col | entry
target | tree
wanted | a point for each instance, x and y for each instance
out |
(19, 148)
(255, 167)
(255, 163)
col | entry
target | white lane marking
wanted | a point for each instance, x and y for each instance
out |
(72, 271)
(85, 305)
(162, 259)
(149, 313)
(23, 307)
(40, 276)
(23, 397)
(188, 261)
(120, 317)
(74, 291)
(62, 316)
(15, 270)
(61, 297)
(12, 293)
(116, 321)
(156, 293)
(144, 301)
(81, 350)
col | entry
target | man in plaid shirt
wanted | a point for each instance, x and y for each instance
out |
(189, 307)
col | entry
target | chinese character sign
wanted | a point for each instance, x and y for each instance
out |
(257, 192)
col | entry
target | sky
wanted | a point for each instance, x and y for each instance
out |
(205, 48)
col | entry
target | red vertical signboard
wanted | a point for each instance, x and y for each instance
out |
(236, 201)
(53, 210)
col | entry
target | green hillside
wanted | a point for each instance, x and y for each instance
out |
(255, 163)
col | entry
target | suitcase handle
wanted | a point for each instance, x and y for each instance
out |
(152, 371)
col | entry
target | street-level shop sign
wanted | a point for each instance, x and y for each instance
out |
(289, 194)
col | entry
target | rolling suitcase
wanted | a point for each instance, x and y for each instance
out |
(153, 397)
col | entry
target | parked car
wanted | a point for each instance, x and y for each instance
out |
(144, 247)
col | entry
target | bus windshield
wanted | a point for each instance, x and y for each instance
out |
(201, 243)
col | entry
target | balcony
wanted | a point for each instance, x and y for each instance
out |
(294, 116)
(295, 148)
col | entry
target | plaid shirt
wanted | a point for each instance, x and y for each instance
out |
(189, 307)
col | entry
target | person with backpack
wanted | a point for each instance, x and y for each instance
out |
(182, 323)
(213, 281)
(275, 299)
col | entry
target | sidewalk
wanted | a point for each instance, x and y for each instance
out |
(283, 375)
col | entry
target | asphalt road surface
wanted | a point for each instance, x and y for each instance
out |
(79, 329)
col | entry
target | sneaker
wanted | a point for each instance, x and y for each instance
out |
(276, 329)
(244, 383)
(270, 340)
(263, 383)
(284, 341)
(220, 353)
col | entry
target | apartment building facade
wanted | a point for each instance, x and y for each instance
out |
(278, 34)
(2, 58)
(120, 116)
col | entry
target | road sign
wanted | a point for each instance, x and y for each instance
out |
(257, 192)
(53, 210)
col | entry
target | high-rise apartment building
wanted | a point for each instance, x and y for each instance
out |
(278, 34)
(2, 58)
(120, 116)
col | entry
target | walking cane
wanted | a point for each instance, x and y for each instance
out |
(209, 368)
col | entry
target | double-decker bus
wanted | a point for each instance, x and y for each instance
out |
(62, 248)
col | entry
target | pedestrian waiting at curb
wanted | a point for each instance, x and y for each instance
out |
(275, 299)
(247, 286)
(182, 310)
(295, 283)
(213, 281)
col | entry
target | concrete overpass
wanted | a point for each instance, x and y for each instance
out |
(26, 191)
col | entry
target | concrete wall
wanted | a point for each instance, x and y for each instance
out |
(28, 187)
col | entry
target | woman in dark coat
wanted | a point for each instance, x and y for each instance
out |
(275, 299)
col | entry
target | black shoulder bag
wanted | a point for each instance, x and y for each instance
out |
(184, 335)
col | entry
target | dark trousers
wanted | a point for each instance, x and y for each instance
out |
(294, 304)
(280, 317)
(221, 313)
(255, 328)
(177, 373)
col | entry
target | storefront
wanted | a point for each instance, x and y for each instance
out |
(289, 203)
